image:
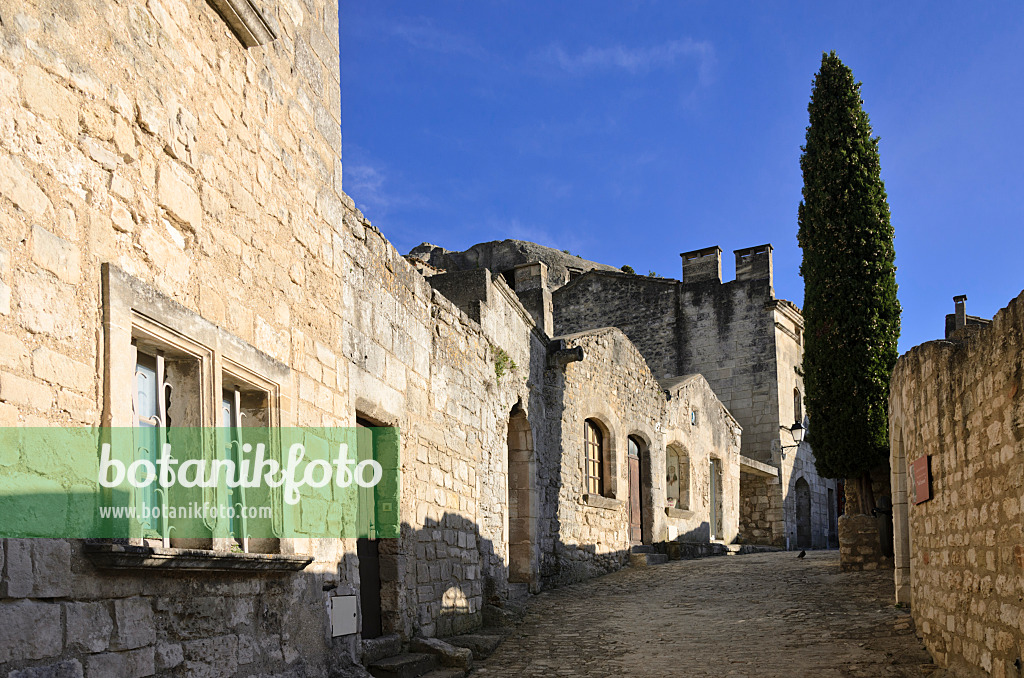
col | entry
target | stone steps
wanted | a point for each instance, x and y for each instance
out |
(406, 665)
(643, 555)
(482, 645)
(445, 673)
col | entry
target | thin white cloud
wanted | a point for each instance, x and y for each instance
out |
(375, 193)
(366, 185)
(422, 34)
(501, 228)
(635, 59)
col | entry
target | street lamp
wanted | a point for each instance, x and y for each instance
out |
(797, 431)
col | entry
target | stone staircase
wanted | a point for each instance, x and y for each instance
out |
(645, 556)
(435, 658)
(413, 665)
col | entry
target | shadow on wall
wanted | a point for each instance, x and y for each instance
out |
(61, 613)
(560, 562)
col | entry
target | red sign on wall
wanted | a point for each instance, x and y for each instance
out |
(921, 470)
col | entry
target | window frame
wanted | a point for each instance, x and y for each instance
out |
(593, 459)
(136, 315)
(683, 475)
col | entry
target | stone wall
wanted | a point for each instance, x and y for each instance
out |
(761, 510)
(208, 176)
(646, 309)
(728, 337)
(960, 554)
(613, 386)
(746, 343)
(161, 171)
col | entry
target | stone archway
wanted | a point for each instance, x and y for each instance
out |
(523, 509)
(803, 514)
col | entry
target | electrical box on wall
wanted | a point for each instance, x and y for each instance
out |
(343, 616)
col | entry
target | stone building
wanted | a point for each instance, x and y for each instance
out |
(745, 342)
(956, 423)
(171, 202)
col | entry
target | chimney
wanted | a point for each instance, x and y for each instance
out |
(754, 263)
(702, 265)
(531, 286)
(961, 311)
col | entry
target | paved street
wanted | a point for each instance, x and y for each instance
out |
(767, 614)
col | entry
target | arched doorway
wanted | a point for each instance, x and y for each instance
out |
(635, 450)
(803, 514)
(523, 567)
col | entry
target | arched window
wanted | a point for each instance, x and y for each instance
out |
(677, 480)
(593, 444)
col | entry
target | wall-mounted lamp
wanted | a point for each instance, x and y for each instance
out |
(797, 431)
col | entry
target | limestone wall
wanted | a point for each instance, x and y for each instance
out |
(147, 137)
(959, 555)
(613, 386)
(698, 426)
(646, 309)
(728, 336)
(761, 510)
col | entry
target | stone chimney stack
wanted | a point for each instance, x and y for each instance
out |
(961, 311)
(702, 265)
(754, 263)
(531, 286)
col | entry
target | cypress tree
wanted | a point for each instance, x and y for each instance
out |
(851, 313)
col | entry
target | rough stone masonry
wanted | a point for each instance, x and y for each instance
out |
(956, 422)
(170, 186)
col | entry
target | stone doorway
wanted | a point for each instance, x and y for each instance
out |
(636, 535)
(715, 514)
(379, 560)
(803, 514)
(523, 509)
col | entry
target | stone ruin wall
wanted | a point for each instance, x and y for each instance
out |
(960, 555)
(712, 433)
(646, 309)
(501, 256)
(613, 385)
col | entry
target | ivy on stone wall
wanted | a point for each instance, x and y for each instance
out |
(851, 313)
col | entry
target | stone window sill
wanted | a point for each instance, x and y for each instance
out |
(672, 512)
(126, 557)
(597, 501)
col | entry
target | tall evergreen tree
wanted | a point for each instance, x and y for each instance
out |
(851, 313)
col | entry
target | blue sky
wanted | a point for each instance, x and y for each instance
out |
(630, 131)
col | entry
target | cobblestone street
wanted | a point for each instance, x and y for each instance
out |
(767, 614)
